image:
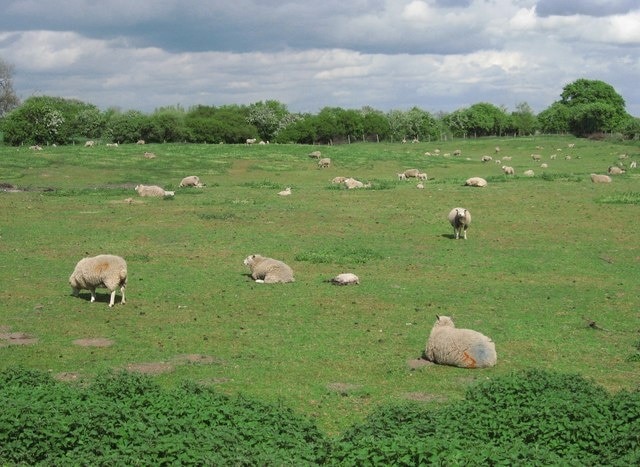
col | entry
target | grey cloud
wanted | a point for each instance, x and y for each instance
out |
(596, 8)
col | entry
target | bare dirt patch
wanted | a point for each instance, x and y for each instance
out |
(151, 368)
(15, 338)
(94, 342)
(423, 397)
(67, 376)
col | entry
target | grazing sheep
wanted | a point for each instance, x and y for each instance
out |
(464, 348)
(457, 152)
(411, 173)
(508, 170)
(315, 154)
(614, 170)
(402, 176)
(497, 149)
(285, 192)
(476, 181)
(324, 163)
(571, 145)
(89, 144)
(529, 173)
(251, 140)
(108, 271)
(597, 178)
(567, 157)
(141, 141)
(268, 270)
(460, 219)
(536, 157)
(346, 278)
(553, 157)
(486, 159)
(153, 190)
(191, 180)
(422, 176)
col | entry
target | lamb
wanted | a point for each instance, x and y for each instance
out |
(411, 173)
(422, 176)
(615, 170)
(402, 176)
(251, 140)
(486, 159)
(460, 219)
(268, 270)
(315, 154)
(476, 181)
(597, 178)
(191, 180)
(89, 144)
(457, 152)
(108, 271)
(529, 173)
(324, 163)
(36, 147)
(346, 278)
(420, 186)
(141, 141)
(153, 190)
(508, 170)
(464, 348)
(544, 165)
(285, 192)
(536, 157)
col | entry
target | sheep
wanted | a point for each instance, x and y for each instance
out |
(567, 157)
(597, 178)
(614, 170)
(315, 154)
(422, 176)
(402, 176)
(476, 181)
(420, 186)
(346, 278)
(633, 165)
(464, 348)
(251, 140)
(571, 145)
(536, 157)
(457, 152)
(149, 155)
(108, 271)
(553, 157)
(497, 149)
(191, 180)
(508, 170)
(529, 173)
(338, 179)
(486, 159)
(268, 270)
(141, 141)
(285, 192)
(352, 183)
(36, 147)
(411, 173)
(544, 165)
(153, 190)
(324, 163)
(507, 158)
(460, 219)
(112, 145)
(89, 144)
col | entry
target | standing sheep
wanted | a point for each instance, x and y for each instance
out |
(324, 163)
(191, 180)
(108, 271)
(315, 154)
(464, 348)
(411, 173)
(268, 270)
(598, 178)
(460, 219)
(508, 170)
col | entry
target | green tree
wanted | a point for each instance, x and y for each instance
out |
(524, 120)
(8, 98)
(555, 119)
(266, 117)
(167, 125)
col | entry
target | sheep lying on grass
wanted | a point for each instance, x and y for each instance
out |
(615, 170)
(108, 271)
(345, 278)
(529, 173)
(464, 348)
(191, 180)
(597, 178)
(268, 270)
(352, 183)
(285, 192)
(460, 219)
(153, 190)
(338, 179)
(476, 181)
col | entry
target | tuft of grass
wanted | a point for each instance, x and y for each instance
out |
(630, 197)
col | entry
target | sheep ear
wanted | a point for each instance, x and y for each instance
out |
(438, 317)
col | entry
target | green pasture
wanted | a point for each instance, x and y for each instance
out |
(545, 257)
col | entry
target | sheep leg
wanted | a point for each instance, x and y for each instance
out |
(113, 298)
(122, 292)
(93, 295)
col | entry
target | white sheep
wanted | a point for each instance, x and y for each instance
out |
(464, 348)
(285, 192)
(108, 271)
(411, 173)
(615, 170)
(529, 173)
(191, 180)
(153, 190)
(597, 178)
(315, 154)
(251, 140)
(544, 165)
(149, 155)
(89, 144)
(507, 158)
(324, 163)
(536, 157)
(422, 176)
(112, 145)
(457, 152)
(338, 179)
(141, 141)
(633, 165)
(420, 186)
(486, 159)
(508, 170)
(460, 219)
(346, 278)
(36, 147)
(268, 270)
(476, 181)
(352, 183)
(402, 176)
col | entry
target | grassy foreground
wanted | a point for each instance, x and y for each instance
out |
(546, 256)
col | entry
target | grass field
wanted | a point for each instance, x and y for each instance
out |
(545, 255)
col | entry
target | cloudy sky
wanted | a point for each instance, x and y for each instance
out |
(439, 55)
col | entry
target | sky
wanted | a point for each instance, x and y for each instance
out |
(438, 55)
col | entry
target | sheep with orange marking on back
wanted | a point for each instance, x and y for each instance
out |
(464, 348)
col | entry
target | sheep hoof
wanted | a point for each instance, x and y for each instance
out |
(259, 281)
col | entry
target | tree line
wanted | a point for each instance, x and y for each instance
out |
(585, 107)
